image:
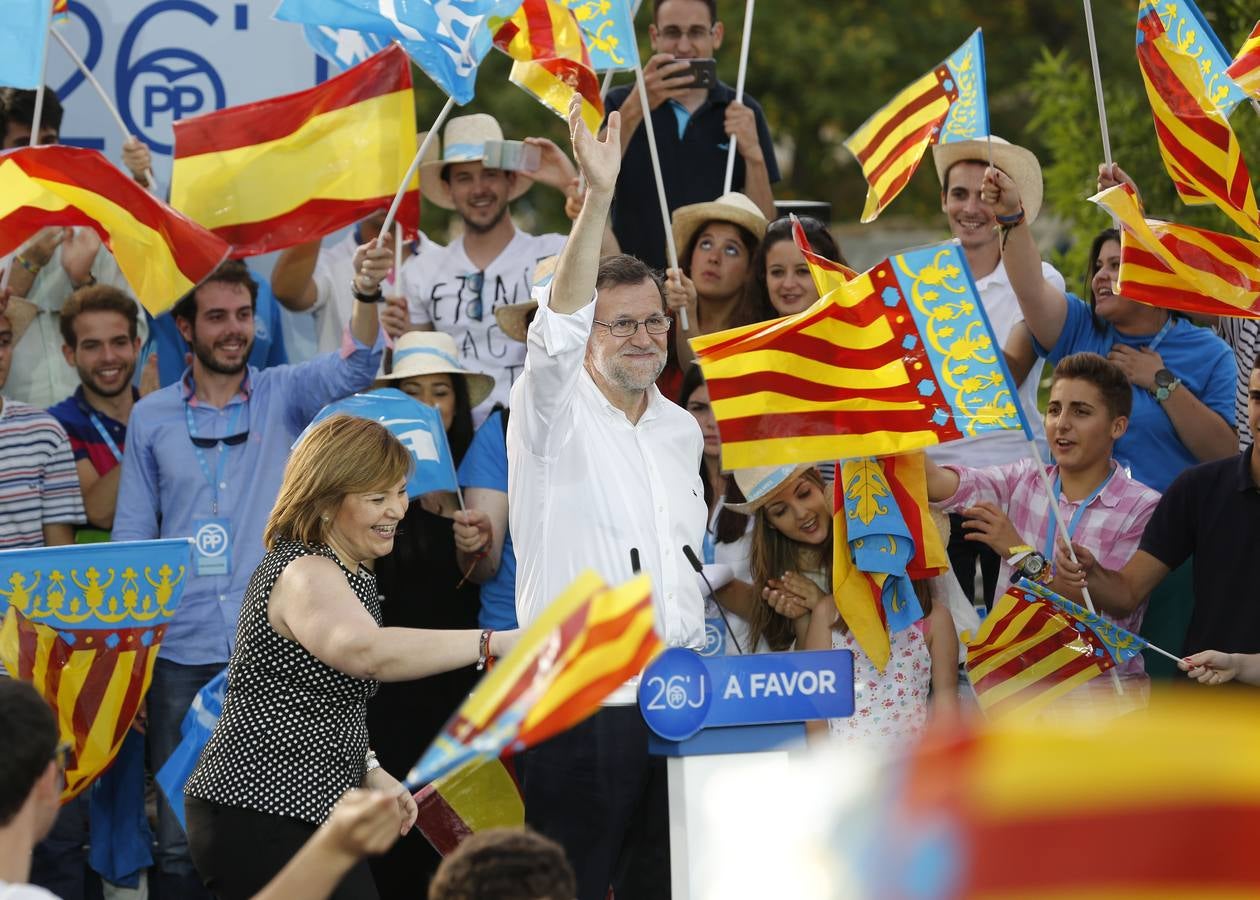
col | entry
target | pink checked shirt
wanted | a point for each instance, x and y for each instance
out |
(1110, 527)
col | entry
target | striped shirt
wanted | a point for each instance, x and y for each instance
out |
(1243, 337)
(1111, 525)
(38, 482)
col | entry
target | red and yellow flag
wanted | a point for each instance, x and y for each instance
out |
(480, 794)
(161, 254)
(552, 62)
(1182, 267)
(827, 274)
(1198, 146)
(60, 12)
(268, 175)
(1245, 69)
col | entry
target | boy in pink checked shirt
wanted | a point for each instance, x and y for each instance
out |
(1101, 506)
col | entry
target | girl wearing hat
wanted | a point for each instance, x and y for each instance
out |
(404, 717)
(791, 569)
(716, 241)
(781, 284)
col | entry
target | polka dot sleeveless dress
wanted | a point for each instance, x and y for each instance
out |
(293, 735)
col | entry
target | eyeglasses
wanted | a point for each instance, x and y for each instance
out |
(671, 34)
(209, 443)
(474, 282)
(657, 324)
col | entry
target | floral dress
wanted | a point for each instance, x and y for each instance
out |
(889, 708)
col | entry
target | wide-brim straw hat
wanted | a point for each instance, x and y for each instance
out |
(464, 141)
(732, 207)
(434, 353)
(20, 313)
(1020, 166)
(760, 483)
(513, 319)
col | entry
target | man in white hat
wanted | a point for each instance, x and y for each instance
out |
(457, 288)
(604, 474)
(960, 167)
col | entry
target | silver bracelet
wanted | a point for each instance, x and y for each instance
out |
(371, 761)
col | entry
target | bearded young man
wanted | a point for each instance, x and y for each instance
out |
(205, 458)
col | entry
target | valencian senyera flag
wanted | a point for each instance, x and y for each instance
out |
(587, 643)
(551, 60)
(883, 539)
(1189, 31)
(1181, 267)
(448, 39)
(1198, 146)
(1245, 68)
(608, 32)
(899, 358)
(827, 274)
(949, 103)
(84, 624)
(162, 254)
(1036, 646)
(272, 174)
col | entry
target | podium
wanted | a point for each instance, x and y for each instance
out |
(709, 713)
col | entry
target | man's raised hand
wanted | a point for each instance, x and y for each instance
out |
(599, 159)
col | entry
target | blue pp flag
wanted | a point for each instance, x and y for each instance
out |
(417, 426)
(343, 47)
(195, 733)
(608, 29)
(22, 42)
(446, 38)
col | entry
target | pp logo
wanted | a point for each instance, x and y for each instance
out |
(714, 642)
(211, 539)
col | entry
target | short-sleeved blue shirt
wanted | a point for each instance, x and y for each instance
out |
(485, 465)
(1151, 449)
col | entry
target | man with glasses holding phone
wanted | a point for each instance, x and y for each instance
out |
(204, 460)
(31, 776)
(694, 122)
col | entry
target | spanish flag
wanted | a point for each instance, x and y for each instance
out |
(1181, 267)
(161, 254)
(1245, 69)
(268, 175)
(552, 62)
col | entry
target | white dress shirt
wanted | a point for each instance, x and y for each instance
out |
(585, 485)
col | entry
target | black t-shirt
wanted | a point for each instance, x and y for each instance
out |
(1212, 512)
(693, 168)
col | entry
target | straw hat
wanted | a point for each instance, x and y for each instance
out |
(733, 207)
(20, 313)
(513, 319)
(759, 484)
(1020, 165)
(434, 353)
(464, 141)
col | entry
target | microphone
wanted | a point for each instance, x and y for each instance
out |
(634, 561)
(699, 567)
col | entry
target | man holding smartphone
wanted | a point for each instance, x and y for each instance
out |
(693, 123)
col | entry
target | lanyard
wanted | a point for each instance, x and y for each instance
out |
(1076, 516)
(1159, 335)
(109, 441)
(217, 479)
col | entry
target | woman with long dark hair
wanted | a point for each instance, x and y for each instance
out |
(779, 282)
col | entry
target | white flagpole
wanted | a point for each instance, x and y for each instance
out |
(38, 115)
(739, 88)
(1098, 91)
(411, 170)
(671, 250)
(109, 104)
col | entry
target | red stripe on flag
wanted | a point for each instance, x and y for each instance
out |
(805, 389)
(831, 423)
(309, 221)
(897, 468)
(542, 37)
(1192, 166)
(386, 72)
(907, 145)
(1176, 94)
(927, 98)
(438, 821)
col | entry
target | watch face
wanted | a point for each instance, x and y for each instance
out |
(1034, 564)
(1164, 378)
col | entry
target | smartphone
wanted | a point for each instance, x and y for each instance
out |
(514, 156)
(701, 72)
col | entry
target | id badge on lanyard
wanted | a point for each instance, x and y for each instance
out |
(212, 535)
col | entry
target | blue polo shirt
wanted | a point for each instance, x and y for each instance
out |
(1151, 449)
(485, 465)
(86, 442)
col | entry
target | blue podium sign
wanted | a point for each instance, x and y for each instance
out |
(683, 692)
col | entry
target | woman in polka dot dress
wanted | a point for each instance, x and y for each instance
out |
(310, 651)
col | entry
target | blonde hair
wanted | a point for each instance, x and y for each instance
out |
(341, 455)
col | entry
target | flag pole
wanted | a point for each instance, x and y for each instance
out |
(411, 170)
(1098, 91)
(671, 250)
(109, 104)
(38, 115)
(739, 88)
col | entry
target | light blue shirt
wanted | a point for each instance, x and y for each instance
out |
(163, 489)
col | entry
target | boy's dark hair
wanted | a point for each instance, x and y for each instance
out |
(712, 4)
(30, 744)
(1103, 374)
(505, 864)
(18, 105)
(623, 269)
(231, 271)
(97, 298)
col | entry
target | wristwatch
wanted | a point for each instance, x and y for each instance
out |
(1165, 384)
(1028, 563)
